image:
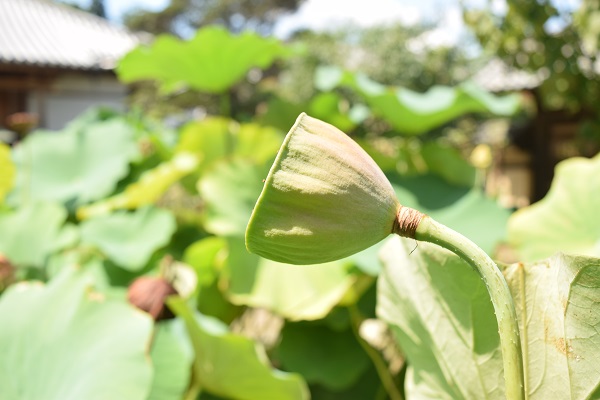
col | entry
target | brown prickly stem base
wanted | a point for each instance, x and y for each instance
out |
(406, 222)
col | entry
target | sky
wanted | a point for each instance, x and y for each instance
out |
(327, 14)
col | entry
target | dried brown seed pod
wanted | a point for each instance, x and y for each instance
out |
(7, 272)
(149, 294)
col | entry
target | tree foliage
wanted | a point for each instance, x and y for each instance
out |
(548, 37)
(183, 16)
(96, 7)
(391, 55)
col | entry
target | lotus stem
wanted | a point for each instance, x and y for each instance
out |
(412, 223)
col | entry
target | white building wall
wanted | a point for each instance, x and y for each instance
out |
(72, 94)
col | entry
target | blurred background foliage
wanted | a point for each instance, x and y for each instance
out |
(550, 38)
(184, 16)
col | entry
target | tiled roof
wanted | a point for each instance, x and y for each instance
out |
(44, 33)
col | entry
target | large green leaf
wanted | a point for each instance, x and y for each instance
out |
(74, 165)
(415, 113)
(211, 139)
(280, 112)
(212, 61)
(8, 171)
(257, 143)
(129, 239)
(440, 313)
(206, 257)
(566, 219)
(558, 304)
(446, 162)
(321, 355)
(215, 138)
(91, 116)
(230, 190)
(172, 356)
(233, 366)
(32, 232)
(147, 190)
(297, 292)
(328, 107)
(202, 256)
(63, 341)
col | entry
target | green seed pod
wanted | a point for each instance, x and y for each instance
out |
(324, 199)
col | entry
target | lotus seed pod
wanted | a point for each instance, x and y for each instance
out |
(150, 294)
(324, 199)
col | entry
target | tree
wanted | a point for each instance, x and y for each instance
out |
(97, 8)
(560, 44)
(183, 16)
(156, 22)
(383, 53)
(544, 36)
